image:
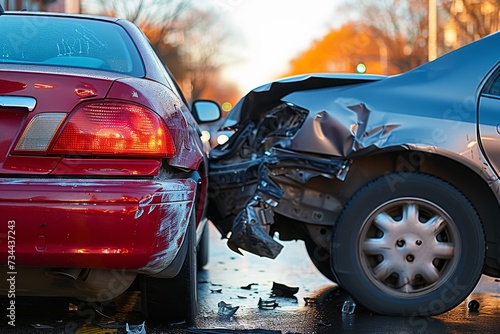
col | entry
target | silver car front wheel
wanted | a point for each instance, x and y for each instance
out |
(413, 247)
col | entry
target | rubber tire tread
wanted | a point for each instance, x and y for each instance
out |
(320, 258)
(173, 300)
(345, 238)
(203, 249)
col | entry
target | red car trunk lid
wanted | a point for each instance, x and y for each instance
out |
(27, 96)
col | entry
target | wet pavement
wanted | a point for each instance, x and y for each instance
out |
(243, 285)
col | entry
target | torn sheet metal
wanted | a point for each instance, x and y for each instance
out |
(248, 234)
(256, 179)
(246, 191)
(252, 225)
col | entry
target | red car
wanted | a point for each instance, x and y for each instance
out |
(103, 179)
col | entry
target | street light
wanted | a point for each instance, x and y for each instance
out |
(361, 68)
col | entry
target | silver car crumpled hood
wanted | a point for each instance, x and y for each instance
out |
(243, 192)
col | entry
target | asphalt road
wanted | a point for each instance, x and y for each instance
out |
(243, 281)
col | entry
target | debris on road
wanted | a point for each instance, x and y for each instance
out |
(473, 306)
(309, 301)
(216, 290)
(281, 290)
(268, 304)
(324, 324)
(249, 286)
(41, 326)
(99, 311)
(226, 310)
(130, 329)
(136, 329)
(223, 331)
(348, 307)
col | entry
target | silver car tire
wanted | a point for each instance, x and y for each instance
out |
(408, 244)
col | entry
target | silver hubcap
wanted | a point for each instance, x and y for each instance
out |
(408, 246)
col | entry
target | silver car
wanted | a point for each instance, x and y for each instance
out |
(391, 182)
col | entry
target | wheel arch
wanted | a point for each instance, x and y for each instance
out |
(469, 182)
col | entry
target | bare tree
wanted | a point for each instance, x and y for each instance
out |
(165, 12)
(204, 53)
(398, 26)
(189, 39)
(472, 19)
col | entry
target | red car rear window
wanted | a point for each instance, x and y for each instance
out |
(69, 42)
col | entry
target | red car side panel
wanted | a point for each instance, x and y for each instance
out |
(133, 225)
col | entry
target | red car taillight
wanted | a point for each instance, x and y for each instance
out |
(114, 128)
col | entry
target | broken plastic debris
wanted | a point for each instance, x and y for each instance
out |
(349, 307)
(99, 311)
(473, 306)
(249, 286)
(268, 304)
(226, 310)
(324, 324)
(216, 290)
(40, 326)
(223, 331)
(309, 300)
(136, 329)
(130, 329)
(281, 290)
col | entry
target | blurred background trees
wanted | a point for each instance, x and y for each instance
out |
(470, 20)
(376, 36)
(392, 36)
(186, 37)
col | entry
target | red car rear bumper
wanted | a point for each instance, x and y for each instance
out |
(66, 223)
